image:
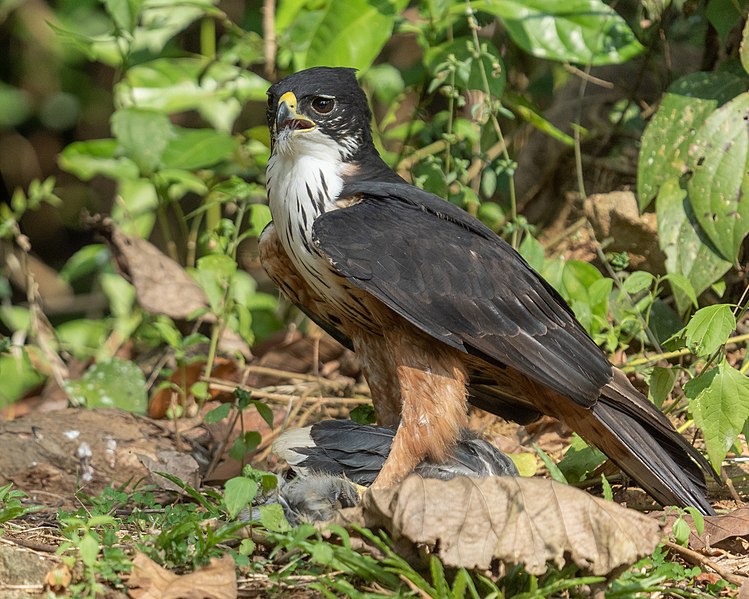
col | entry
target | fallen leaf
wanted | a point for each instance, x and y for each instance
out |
(58, 579)
(161, 285)
(176, 463)
(472, 522)
(148, 580)
(717, 528)
(744, 591)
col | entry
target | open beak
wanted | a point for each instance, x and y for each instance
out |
(287, 116)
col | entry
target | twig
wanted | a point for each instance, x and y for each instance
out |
(269, 35)
(698, 559)
(588, 77)
(675, 354)
(280, 397)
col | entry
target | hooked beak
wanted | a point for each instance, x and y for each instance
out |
(287, 116)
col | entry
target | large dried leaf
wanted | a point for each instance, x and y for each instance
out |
(161, 285)
(529, 521)
(150, 581)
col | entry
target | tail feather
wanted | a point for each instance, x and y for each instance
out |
(642, 441)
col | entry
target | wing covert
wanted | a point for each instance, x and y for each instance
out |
(457, 281)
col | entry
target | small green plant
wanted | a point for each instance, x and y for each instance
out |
(11, 504)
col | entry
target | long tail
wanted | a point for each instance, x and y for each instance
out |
(643, 443)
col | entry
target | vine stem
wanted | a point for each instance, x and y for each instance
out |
(474, 27)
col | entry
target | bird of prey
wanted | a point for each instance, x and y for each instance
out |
(439, 309)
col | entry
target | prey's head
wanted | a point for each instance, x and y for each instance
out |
(321, 109)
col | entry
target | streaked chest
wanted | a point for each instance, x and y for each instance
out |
(300, 190)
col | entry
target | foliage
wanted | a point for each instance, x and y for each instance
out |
(183, 155)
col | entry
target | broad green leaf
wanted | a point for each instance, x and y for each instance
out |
(637, 282)
(688, 251)
(217, 91)
(719, 400)
(709, 328)
(665, 143)
(580, 460)
(18, 376)
(135, 214)
(273, 518)
(350, 33)
(87, 260)
(581, 31)
(680, 282)
(124, 13)
(723, 15)
(661, 383)
(215, 273)
(161, 21)
(142, 135)
(470, 76)
(238, 494)
(259, 218)
(719, 185)
(533, 252)
(89, 550)
(86, 159)
(244, 445)
(217, 414)
(83, 337)
(192, 149)
(114, 383)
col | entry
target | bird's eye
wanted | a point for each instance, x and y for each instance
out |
(322, 105)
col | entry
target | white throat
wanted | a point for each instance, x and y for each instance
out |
(304, 179)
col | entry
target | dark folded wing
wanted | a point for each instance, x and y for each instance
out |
(457, 281)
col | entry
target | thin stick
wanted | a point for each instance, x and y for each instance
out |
(280, 397)
(698, 559)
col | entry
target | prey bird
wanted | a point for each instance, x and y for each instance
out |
(439, 309)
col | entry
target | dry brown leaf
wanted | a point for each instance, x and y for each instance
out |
(148, 580)
(176, 463)
(531, 521)
(717, 528)
(744, 591)
(161, 285)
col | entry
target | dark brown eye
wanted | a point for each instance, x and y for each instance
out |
(322, 105)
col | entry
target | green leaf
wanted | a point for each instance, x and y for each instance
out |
(238, 494)
(580, 460)
(680, 282)
(637, 282)
(142, 135)
(709, 329)
(217, 414)
(124, 13)
(264, 410)
(192, 149)
(553, 469)
(215, 273)
(273, 518)
(719, 400)
(15, 106)
(688, 251)
(661, 384)
(18, 377)
(245, 445)
(723, 15)
(580, 31)
(719, 186)
(350, 33)
(135, 214)
(87, 260)
(83, 337)
(216, 90)
(86, 159)
(89, 550)
(665, 143)
(114, 383)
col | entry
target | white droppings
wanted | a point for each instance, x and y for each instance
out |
(71, 435)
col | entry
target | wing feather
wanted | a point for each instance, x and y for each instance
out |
(457, 281)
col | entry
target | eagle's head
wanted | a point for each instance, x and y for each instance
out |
(319, 109)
